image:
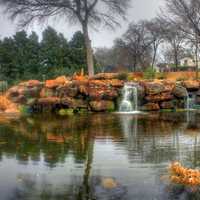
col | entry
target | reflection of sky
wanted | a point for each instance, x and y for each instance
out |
(13, 176)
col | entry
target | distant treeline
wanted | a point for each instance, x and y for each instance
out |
(25, 57)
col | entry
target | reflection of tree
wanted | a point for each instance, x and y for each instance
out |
(160, 137)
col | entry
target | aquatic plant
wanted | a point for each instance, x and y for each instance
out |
(184, 176)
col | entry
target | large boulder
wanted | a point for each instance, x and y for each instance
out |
(12, 92)
(151, 107)
(191, 85)
(180, 92)
(102, 94)
(159, 97)
(154, 88)
(100, 106)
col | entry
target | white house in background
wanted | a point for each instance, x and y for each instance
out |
(188, 62)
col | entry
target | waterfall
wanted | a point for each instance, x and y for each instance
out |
(190, 102)
(129, 101)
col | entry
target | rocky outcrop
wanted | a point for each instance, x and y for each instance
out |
(100, 93)
(73, 93)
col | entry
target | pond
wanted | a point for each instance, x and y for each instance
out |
(97, 156)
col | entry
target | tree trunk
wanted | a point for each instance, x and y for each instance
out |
(154, 57)
(89, 51)
(196, 58)
(176, 59)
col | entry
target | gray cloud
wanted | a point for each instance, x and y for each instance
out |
(141, 9)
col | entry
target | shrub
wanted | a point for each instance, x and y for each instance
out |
(149, 73)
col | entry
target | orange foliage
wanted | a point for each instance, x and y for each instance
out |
(7, 106)
(184, 176)
(56, 82)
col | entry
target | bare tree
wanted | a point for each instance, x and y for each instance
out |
(84, 12)
(173, 37)
(185, 15)
(137, 43)
(154, 30)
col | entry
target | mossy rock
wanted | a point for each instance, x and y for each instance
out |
(66, 112)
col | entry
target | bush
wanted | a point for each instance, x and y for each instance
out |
(149, 73)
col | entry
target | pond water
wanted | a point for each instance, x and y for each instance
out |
(97, 156)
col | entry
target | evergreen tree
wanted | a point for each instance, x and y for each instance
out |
(78, 52)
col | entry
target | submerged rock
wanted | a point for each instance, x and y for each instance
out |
(109, 183)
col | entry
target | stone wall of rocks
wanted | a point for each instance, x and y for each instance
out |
(99, 94)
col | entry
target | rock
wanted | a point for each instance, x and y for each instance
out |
(99, 106)
(167, 105)
(51, 84)
(104, 76)
(12, 92)
(141, 92)
(159, 97)
(31, 83)
(21, 99)
(49, 101)
(198, 100)
(191, 85)
(116, 83)
(47, 92)
(61, 80)
(56, 82)
(154, 88)
(64, 112)
(12, 110)
(102, 94)
(150, 107)
(31, 101)
(180, 92)
(83, 86)
(109, 183)
(68, 90)
(74, 103)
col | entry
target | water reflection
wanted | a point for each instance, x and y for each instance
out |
(97, 156)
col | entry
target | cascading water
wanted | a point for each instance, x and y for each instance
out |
(129, 101)
(190, 102)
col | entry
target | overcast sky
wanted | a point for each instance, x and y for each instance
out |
(141, 9)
